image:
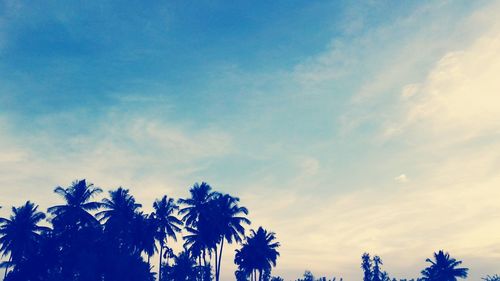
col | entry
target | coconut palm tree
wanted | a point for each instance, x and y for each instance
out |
(75, 213)
(119, 217)
(201, 196)
(194, 244)
(145, 234)
(229, 219)
(120, 208)
(20, 233)
(184, 268)
(167, 224)
(443, 268)
(258, 253)
(198, 217)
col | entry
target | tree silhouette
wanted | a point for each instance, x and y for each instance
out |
(122, 222)
(258, 253)
(366, 265)
(443, 268)
(201, 196)
(377, 273)
(112, 244)
(75, 213)
(229, 220)
(184, 268)
(20, 233)
(198, 216)
(145, 234)
(167, 224)
(495, 277)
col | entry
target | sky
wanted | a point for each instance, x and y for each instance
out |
(345, 127)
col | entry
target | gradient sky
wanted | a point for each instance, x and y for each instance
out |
(344, 127)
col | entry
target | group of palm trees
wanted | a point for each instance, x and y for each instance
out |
(112, 239)
(442, 268)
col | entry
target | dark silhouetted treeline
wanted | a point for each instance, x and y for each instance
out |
(442, 268)
(84, 239)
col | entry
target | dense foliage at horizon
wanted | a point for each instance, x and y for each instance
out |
(113, 239)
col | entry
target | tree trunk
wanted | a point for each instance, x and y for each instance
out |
(220, 258)
(216, 264)
(204, 257)
(161, 256)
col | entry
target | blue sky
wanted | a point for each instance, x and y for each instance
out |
(344, 127)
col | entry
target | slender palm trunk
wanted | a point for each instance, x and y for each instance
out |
(7, 267)
(220, 258)
(204, 257)
(216, 265)
(161, 256)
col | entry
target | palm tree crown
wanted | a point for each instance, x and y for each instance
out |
(167, 224)
(201, 195)
(228, 219)
(75, 213)
(258, 253)
(21, 232)
(120, 209)
(443, 268)
(122, 220)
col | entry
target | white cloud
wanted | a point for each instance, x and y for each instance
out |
(444, 124)
(401, 178)
(148, 156)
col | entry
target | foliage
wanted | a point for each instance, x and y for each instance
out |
(87, 240)
(109, 240)
(443, 268)
(372, 270)
(495, 277)
(258, 253)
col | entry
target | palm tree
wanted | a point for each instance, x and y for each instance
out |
(377, 273)
(184, 268)
(166, 222)
(75, 213)
(366, 265)
(201, 195)
(145, 233)
(197, 216)
(443, 268)
(194, 243)
(20, 233)
(119, 217)
(229, 219)
(258, 253)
